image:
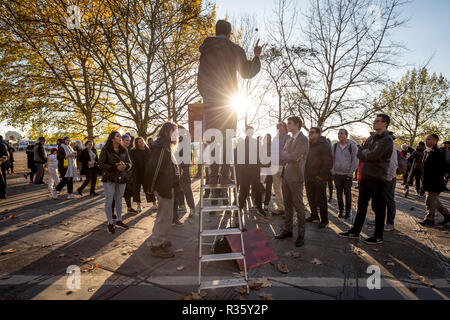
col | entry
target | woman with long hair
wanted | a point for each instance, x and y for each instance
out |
(67, 167)
(89, 167)
(162, 178)
(115, 164)
(140, 154)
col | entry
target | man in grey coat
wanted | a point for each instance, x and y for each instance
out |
(293, 159)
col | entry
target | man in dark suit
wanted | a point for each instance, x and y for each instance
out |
(293, 158)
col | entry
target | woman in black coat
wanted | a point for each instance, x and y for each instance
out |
(89, 168)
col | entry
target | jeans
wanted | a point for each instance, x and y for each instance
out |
(370, 188)
(2, 187)
(63, 182)
(90, 177)
(389, 200)
(344, 184)
(178, 199)
(163, 220)
(293, 198)
(113, 192)
(316, 191)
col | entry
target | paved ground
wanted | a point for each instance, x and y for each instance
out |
(44, 236)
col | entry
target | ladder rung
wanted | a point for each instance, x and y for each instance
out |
(219, 186)
(222, 257)
(207, 165)
(204, 199)
(220, 232)
(220, 208)
(225, 283)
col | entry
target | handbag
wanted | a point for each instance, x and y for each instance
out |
(66, 163)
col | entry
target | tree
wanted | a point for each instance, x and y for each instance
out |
(50, 78)
(418, 104)
(340, 57)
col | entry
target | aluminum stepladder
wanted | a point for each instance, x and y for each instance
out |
(230, 188)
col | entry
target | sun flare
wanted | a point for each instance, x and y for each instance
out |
(240, 102)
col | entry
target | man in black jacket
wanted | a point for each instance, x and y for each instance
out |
(40, 158)
(435, 169)
(375, 156)
(3, 159)
(317, 171)
(220, 61)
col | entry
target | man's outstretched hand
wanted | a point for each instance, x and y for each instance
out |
(258, 49)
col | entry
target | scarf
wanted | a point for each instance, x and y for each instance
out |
(72, 168)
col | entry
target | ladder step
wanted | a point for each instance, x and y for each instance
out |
(219, 208)
(222, 257)
(204, 199)
(219, 186)
(225, 283)
(220, 232)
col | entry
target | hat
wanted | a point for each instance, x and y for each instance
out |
(53, 149)
(404, 145)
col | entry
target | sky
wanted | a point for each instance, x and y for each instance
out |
(425, 35)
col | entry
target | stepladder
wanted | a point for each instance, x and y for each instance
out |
(219, 192)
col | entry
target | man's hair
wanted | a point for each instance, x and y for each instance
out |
(446, 142)
(297, 121)
(223, 28)
(282, 124)
(317, 129)
(435, 136)
(345, 130)
(385, 117)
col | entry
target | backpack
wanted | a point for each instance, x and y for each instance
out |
(402, 163)
(349, 149)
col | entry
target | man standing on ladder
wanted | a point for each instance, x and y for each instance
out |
(220, 61)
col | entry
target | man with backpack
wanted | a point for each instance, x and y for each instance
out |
(345, 162)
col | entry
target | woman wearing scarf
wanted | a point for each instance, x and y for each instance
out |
(67, 166)
(89, 168)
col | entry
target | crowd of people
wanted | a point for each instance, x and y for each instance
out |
(128, 165)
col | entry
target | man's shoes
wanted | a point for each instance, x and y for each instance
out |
(25, 176)
(93, 194)
(131, 210)
(426, 222)
(406, 193)
(299, 243)
(389, 228)
(348, 234)
(373, 240)
(347, 215)
(80, 192)
(330, 199)
(312, 219)
(111, 229)
(154, 207)
(139, 208)
(178, 224)
(446, 220)
(54, 194)
(341, 214)
(323, 224)
(122, 225)
(114, 216)
(162, 252)
(283, 235)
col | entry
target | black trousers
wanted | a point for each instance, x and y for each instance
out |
(138, 183)
(330, 186)
(268, 193)
(90, 177)
(406, 175)
(63, 182)
(32, 173)
(344, 184)
(316, 191)
(250, 177)
(370, 188)
(417, 174)
(178, 200)
(3, 167)
(2, 187)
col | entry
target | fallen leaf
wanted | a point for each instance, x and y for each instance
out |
(265, 296)
(296, 255)
(46, 245)
(254, 285)
(115, 243)
(8, 251)
(181, 250)
(376, 250)
(96, 229)
(389, 263)
(4, 276)
(422, 279)
(289, 253)
(85, 260)
(89, 267)
(316, 261)
(192, 296)
(91, 289)
(12, 216)
(282, 268)
(22, 224)
(203, 294)
(179, 268)
(412, 288)
(77, 254)
(131, 251)
(241, 298)
(61, 255)
(241, 290)
(265, 283)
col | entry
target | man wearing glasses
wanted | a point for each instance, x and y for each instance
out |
(375, 156)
